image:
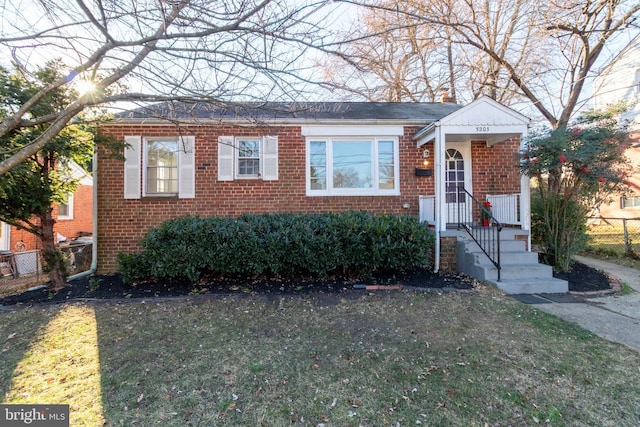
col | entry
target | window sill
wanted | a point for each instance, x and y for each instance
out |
(158, 197)
(354, 194)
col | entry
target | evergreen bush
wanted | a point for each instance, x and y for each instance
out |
(356, 244)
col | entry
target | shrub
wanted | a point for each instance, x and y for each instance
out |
(286, 244)
(574, 170)
(558, 225)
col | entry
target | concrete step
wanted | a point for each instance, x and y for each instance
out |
(506, 258)
(505, 246)
(520, 273)
(532, 286)
(513, 272)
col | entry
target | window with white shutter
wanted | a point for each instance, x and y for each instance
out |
(159, 166)
(247, 158)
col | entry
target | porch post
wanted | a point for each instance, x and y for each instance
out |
(525, 198)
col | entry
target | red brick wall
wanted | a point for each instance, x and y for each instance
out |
(495, 169)
(21, 239)
(82, 214)
(448, 254)
(614, 208)
(82, 221)
(122, 223)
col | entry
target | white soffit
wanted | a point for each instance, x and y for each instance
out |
(484, 119)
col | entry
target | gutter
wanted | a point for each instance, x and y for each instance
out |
(94, 244)
(270, 122)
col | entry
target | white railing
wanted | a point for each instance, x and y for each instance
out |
(505, 208)
(428, 209)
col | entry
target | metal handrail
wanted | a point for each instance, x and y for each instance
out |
(487, 238)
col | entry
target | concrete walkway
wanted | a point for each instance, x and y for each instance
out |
(616, 318)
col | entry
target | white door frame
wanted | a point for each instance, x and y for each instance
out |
(465, 150)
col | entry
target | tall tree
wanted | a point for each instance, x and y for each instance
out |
(574, 170)
(425, 57)
(29, 192)
(392, 57)
(186, 50)
(544, 53)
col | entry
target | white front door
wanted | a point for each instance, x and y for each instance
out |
(457, 174)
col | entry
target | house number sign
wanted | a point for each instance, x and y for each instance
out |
(482, 129)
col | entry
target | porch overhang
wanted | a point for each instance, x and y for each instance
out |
(482, 120)
(461, 135)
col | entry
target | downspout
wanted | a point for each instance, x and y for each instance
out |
(437, 172)
(436, 262)
(94, 244)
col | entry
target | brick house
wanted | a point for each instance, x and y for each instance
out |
(620, 81)
(72, 218)
(395, 158)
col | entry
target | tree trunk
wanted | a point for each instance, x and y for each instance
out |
(53, 260)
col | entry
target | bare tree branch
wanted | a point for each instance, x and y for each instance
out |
(511, 50)
(149, 50)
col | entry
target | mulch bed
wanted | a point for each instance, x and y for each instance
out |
(112, 287)
(581, 279)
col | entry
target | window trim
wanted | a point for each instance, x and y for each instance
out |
(236, 157)
(145, 166)
(623, 201)
(375, 190)
(228, 158)
(69, 204)
(134, 179)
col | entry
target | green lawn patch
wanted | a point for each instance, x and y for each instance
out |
(402, 358)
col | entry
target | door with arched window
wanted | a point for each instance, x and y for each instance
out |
(457, 175)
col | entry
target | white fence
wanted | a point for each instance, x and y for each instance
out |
(15, 264)
(505, 208)
(28, 262)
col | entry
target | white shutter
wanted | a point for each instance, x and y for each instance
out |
(226, 156)
(132, 155)
(187, 168)
(270, 158)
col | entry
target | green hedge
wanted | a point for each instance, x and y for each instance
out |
(288, 244)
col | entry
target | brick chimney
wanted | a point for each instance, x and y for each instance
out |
(445, 98)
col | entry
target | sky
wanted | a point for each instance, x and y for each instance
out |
(342, 18)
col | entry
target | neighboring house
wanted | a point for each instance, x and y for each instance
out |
(393, 158)
(72, 218)
(620, 81)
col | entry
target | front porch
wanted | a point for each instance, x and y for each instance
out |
(519, 271)
(492, 251)
(480, 206)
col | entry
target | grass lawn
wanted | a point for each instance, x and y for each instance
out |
(612, 256)
(607, 240)
(405, 358)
